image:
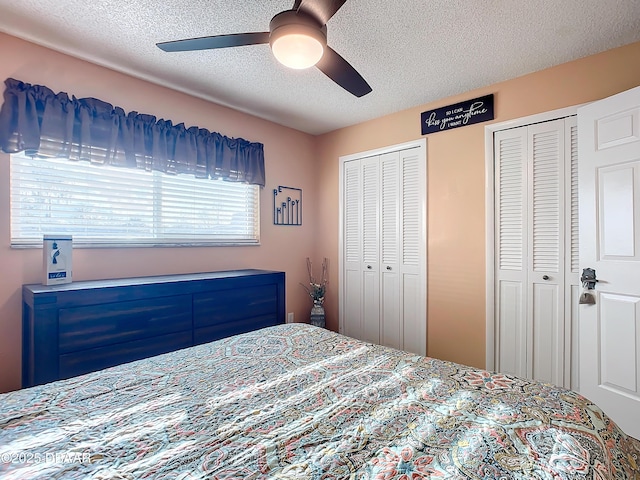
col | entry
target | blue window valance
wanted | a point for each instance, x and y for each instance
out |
(39, 122)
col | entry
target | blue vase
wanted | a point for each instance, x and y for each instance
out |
(317, 315)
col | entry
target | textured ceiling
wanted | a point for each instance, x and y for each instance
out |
(411, 52)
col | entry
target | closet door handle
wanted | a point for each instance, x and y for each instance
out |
(369, 267)
(545, 277)
(388, 267)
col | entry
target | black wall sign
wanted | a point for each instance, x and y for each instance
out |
(458, 115)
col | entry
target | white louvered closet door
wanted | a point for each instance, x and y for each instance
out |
(536, 217)
(361, 248)
(391, 330)
(383, 250)
(370, 266)
(511, 269)
(411, 254)
(402, 322)
(572, 288)
(352, 248)
(545, 252)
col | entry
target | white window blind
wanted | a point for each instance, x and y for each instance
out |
(111, 206)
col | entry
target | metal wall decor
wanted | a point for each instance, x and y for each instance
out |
(287, 206)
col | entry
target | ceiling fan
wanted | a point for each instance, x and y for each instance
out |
(298, 39)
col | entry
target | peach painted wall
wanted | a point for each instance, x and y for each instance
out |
(289, 156)
(456, 189)
(456, 184)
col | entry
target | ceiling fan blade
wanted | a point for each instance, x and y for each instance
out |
(217, 41)
(340, 71)
(322, 10)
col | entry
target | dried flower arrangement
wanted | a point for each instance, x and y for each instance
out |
(317, 288)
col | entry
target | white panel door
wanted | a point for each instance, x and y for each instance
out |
(609, 180)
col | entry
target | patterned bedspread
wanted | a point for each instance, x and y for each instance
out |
(299, 402)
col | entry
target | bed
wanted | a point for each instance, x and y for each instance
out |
(300, 402)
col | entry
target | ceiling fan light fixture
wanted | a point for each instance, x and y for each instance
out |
(296, 40)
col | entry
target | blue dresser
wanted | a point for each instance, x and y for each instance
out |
(81, 327)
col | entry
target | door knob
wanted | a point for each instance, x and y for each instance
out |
(545, 277)
(588, 278)
(369, 267)
(388, 267)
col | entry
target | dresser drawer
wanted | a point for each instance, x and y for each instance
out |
(228, 306)
(78, 363)
(93, 326)
(223, 330)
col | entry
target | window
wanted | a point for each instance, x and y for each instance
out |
(111, 206)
